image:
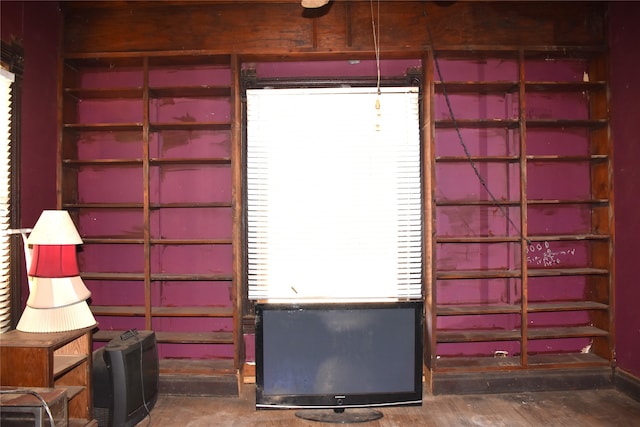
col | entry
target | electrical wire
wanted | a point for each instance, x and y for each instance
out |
(144, 399)
(481, 179)
(43, 402)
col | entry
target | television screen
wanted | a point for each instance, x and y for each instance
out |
(125, 379)
(338, 355)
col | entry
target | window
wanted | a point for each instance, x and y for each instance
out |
(10, 249)
(334, 194)
(6, 81)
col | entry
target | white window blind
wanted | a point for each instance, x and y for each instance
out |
(6, 80)
(334, 194)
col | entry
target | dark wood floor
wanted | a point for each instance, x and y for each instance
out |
(585, 408)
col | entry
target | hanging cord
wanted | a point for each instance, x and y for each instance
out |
(43, 402)
(376, 44)
(483, 182)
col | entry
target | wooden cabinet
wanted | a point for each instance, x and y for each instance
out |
(145, 170)
(61, 359)
(523, 229)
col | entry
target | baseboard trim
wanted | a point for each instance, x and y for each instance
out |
(189, 385)
(521, 381)
(199, 377)
(627, 384)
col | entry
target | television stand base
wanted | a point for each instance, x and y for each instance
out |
(340, 416)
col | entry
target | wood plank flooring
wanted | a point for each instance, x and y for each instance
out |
(584, 408)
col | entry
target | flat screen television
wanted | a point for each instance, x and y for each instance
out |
(125, 379)
(328, 357)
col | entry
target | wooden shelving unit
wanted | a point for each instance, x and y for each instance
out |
(145, 170)
(522, 274)
(60, 359)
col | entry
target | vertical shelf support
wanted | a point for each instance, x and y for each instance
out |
(522, 116)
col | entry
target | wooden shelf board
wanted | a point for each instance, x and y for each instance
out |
(103, 205)
(479, 87)
(577, 359)
(73, 391)
(108, 127)
(471, 309)
(443, 202)
(191, 277)
(567, 159)
(155, 276)
(565, 332)
(177, 205)
(479, 335)
(547, 272)
(476, 335)
(477, 124)
(514, 123)
(191, 241)
(182, 205)
(114, 240)
(103, 162)
(190, 161)
(112, 276)
(190, 126)
(105, 93)
(481, 363)
(195, 337)
(477, 239)
(204, 91)
(511, 239)
(559, 87)
(478, 159)
(162, 311)
(568, 202)
(531, 272)
(175, 337)
(490, 362)
(477, 274)
(112, 310)
(197, 366)
(569, 237)
(537, 307)
(560, 123)
(63, 363)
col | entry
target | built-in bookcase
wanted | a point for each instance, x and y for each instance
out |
(523, 233)
(517, 188)
(145, 170)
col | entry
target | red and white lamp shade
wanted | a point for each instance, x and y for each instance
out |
(57, 295)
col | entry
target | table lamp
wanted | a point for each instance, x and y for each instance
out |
(57, 294)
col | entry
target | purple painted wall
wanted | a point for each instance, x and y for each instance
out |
(625, 85)
(35, 25)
